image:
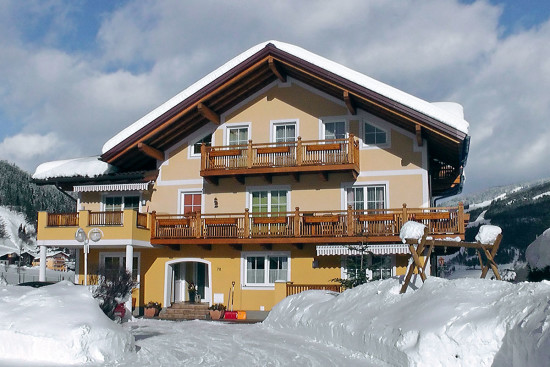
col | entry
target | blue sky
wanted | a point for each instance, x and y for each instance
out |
(74, 73)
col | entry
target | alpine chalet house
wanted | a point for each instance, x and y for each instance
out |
(264, 173)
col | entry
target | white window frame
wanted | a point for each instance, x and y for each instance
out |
(346, 186)
(378, 123)
(251, 189)
(236, 125)
(192, 154)
(122, 195)
(324, 120)
(121, 256)
(266, 285)
(274, 123)
(189, 191)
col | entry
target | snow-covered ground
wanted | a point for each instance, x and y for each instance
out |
(462, 322)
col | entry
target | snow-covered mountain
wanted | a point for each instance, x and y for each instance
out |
(521, 210)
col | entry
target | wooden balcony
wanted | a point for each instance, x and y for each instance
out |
(298, 227)
(324, 156)
(127, 224)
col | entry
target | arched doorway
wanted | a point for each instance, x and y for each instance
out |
(179, 273)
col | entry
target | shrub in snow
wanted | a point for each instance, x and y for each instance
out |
(114, 287)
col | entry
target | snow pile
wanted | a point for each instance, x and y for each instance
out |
(463, 322)
(86, 167)
(60, 323)
(488, 234)
(538, 252)
(412, 230)
(12, 243)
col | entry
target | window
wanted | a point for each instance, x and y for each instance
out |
(335, 130)
(374, 135)
(191, 202)
(285, 132)
(266, 268)
(238, 136)
(274, 201)
(119, 203)
(367, 197)
(112, 262)
(207, 140)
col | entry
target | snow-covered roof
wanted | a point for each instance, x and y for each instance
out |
(449, 114)
(86, 167)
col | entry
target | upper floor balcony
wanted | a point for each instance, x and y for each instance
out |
(298, 227)
(267, 159)
(115, 225)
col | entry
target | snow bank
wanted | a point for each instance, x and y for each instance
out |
(60, 323)
(488, 234)
(412, 230)
(538, 252)
(463, 322)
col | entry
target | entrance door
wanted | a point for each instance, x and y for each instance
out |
(187, 272)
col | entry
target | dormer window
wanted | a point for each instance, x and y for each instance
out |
(373, 135)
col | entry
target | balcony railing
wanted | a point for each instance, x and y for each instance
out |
(295, 156)
(62, 220)
(115, 218)
(381, 225)
(298, 288)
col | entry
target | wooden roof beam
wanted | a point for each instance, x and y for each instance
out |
(349, 103)
(418, 130)
(208, 113)
(150, 151)
(276, 70)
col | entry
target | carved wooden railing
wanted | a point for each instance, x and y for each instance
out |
(62, 220)
(106, 218)
(284, 154)
(448, 221)
(292, 288)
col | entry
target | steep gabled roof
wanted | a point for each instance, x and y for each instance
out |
(140, 145)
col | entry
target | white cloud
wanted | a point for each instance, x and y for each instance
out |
(147, 51)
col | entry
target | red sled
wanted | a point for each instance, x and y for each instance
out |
(230, 315)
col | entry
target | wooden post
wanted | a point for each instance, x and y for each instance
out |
(246, 223)
(198, 224)
(350, 221)
(405, 215)
(153, 224)
(461, 228)
(490, 258)
(297, 222)
(203, 156)
(416, 262)
(351, 141)
(249, 152)
(299, 157)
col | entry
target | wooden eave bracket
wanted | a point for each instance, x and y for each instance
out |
(150, 151)
(349, 103)
(419, 139)
(276, 70)
(208, 113)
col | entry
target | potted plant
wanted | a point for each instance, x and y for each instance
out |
(216, 311)
(152, 309)
(192, 288)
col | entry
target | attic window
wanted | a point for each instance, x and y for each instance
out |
(207, 140)
(373, 135)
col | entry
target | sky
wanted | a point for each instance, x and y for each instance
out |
(75, 73)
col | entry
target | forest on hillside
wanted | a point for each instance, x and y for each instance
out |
(19, 193)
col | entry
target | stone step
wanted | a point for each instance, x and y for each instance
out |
(185, 311)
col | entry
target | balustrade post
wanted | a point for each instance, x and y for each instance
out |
(299, 151)
(153, 224)
(203, 156)
(249, 150)
(351, 141)
(246, 223)
(405, 215)
(297, 222)
(461, 228)
(198, 224)
(350, 221)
